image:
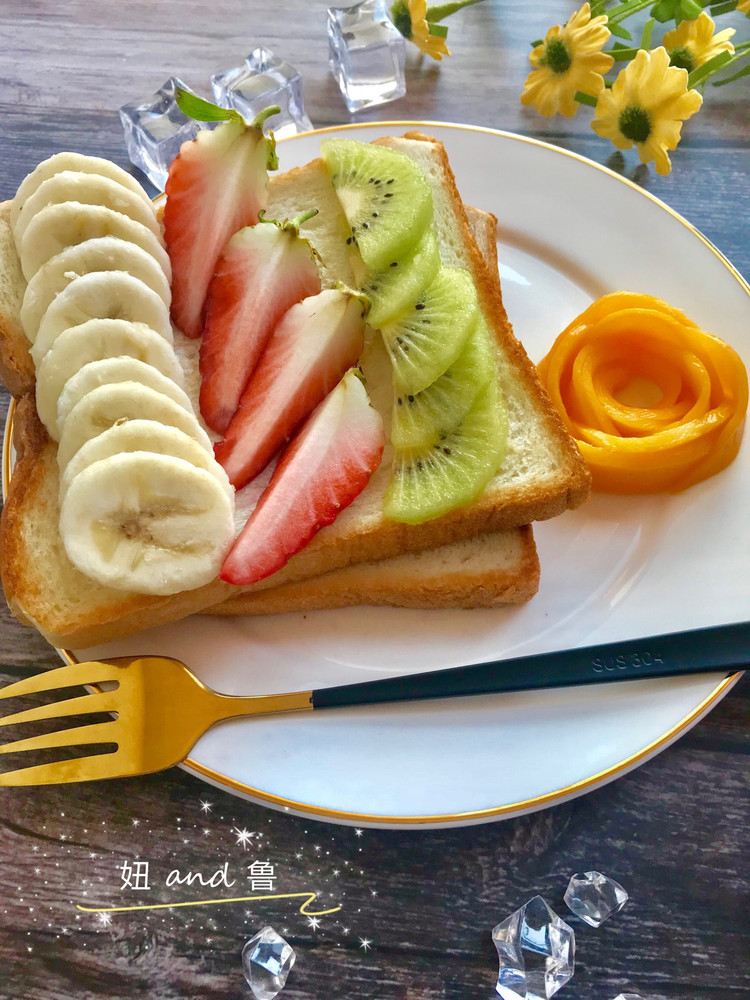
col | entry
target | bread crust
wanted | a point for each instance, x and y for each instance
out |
(16, 365)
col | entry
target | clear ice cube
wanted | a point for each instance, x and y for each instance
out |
(267, 960)
(263, 79)
(155, 128)
(536, 951)
(366, 54)
(594, 897)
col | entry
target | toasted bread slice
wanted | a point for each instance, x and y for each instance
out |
(542, 475)
(481, 572)
(488, 570)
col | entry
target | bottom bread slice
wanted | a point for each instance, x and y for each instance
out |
(486, 571)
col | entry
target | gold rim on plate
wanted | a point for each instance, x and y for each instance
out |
(525, 805)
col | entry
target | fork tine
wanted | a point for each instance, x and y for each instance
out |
(103, 732)
(106, 765)
(89, 672)
(104, 701)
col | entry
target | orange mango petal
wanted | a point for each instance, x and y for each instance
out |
(654, 402)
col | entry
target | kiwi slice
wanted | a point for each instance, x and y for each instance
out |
(449, 473)
(423, 417)
(384, 195)
(424, 341)
(392, 291)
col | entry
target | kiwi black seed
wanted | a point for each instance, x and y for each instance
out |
(428, 337)
(428, 417)
(393, 291)
(387, 224)
(431, 481)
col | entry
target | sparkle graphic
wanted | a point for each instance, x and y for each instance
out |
(222, 839)
(243, 837)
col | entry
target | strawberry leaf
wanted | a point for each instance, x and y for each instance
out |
(203, 111)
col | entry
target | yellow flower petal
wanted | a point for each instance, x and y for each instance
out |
(699, 39)
(657, 98)
(552, 86)
(431, 45)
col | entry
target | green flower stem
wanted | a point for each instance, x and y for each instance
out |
(723, 8)
(648, 30)
(702, 73)
(435, 14)
(623, 54)
(438, 30)
(585, 98)
(741, 52)
(618, 14)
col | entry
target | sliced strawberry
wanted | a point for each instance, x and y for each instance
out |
(217, 184)
(325, 467)
(264, 270)
(316, 341)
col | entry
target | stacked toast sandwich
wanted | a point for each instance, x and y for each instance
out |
(479, 554)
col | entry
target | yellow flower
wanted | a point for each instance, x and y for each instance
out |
(410, 17)
(694, 42)
(744, 7)
(569, 59)
(646, 107)
(431, 45)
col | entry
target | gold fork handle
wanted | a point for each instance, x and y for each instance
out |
(231, 707)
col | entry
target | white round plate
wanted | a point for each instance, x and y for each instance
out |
(569, 231)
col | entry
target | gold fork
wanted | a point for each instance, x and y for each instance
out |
(162, 708)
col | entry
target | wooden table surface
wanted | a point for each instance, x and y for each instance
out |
(418, 906)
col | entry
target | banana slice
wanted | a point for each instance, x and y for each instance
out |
(107, 253)
(101, 295)
(106, 405)
(109, 371)
(143, 435)
(71, 161)
(153, 524)
(59, 226)
(88, 189)
(92, 341)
